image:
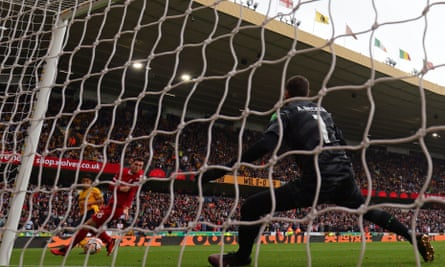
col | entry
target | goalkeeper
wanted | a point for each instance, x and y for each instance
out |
(300, 120)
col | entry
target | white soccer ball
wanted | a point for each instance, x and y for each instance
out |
(93, 245)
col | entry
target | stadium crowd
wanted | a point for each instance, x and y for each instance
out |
(47, 210)
(389, 171)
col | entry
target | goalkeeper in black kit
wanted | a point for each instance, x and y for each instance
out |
(301, 121)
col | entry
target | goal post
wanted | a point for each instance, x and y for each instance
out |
(38, 109)
(34, 130)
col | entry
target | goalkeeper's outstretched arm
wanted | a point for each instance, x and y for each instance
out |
(266, 144)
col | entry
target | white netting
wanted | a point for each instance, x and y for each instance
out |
(21, 49)
(188, 85)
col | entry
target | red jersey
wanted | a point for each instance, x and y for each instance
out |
(124, 199)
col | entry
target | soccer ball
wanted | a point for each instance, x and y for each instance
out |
(93, 245)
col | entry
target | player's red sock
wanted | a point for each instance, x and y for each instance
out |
(80, 236)
(105, 237)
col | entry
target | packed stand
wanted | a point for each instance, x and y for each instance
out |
(389, 171)
(48, 210)
(88, 135)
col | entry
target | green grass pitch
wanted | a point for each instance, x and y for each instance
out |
(379, 254)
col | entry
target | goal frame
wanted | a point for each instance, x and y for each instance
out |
(54, 54)
(44, 86)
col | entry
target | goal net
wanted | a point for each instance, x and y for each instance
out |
(88, 85)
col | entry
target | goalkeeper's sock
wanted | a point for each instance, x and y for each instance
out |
(246, 239)
(397, 227)
(389, 222)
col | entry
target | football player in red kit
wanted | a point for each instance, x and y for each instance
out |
(124, 188)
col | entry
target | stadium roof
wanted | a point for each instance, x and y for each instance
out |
(210, 51)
